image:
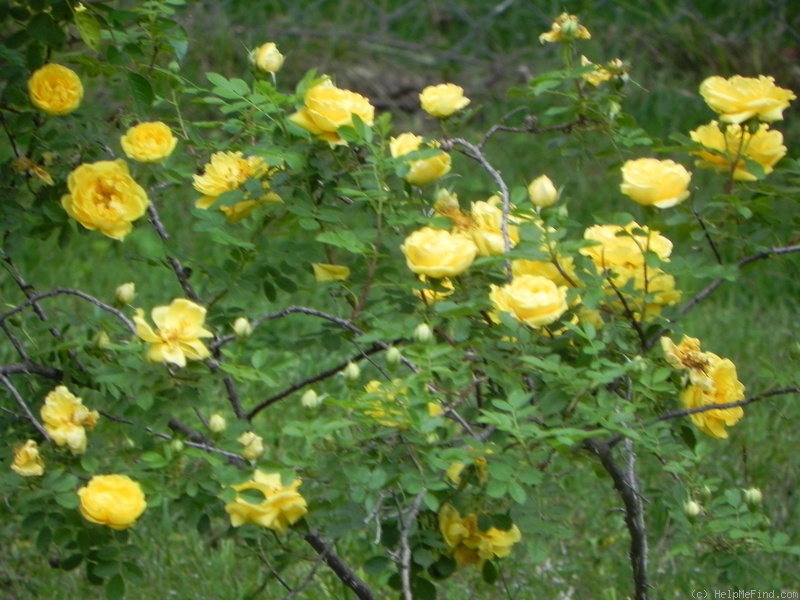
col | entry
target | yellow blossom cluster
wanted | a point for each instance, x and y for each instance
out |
(228, 171)
(621, 252)
(281, 507)
(468, 544)
(66, 419)
(712, 380)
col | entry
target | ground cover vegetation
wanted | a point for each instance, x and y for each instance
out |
(398, 299)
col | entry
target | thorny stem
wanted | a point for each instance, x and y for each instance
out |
(627, 487)
(345, 574)
(474, 152)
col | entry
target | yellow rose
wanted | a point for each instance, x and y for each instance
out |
(443, 100)
(180, 327)
(420, 171)
(438, 253)
(566, 27)
(267, 58)
(658, 286)
(27, 460)
(326, 272)
(653, 182)
(66, 419)
(148, 142)
(624, 247)
(546, 268)
(541, 192)
(228, 171)
(764, 147)
(741, 98)
(724, 389)
(112, 500)
(688, 356)
(327, 108)
(534, 300)
(253, 445)
(103, 196)
(487, 227)
(55, 89)
(282, 505)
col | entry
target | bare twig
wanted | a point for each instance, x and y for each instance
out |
(701, 409)
(707, 234)
(24, 406)
(474, 152)
(345, 574)
(308, 381)
(33, 301)
(31, 368)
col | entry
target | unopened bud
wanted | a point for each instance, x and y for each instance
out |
(311, 399)
(393, 357)
(352, 371)
(753, 497)
(253, 445)
(423, 333)
(101, 340)
(692, 509)
(126, 293)
(217, 423)
(242, 327)
(177, 445)
(267, 58)
(542, 192)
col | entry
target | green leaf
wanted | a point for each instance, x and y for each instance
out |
(343, 239)
(142, 91)
(489, 572)
(89, 30)
(115, 588)
(376, 564)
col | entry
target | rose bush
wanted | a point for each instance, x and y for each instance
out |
(451, 384)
